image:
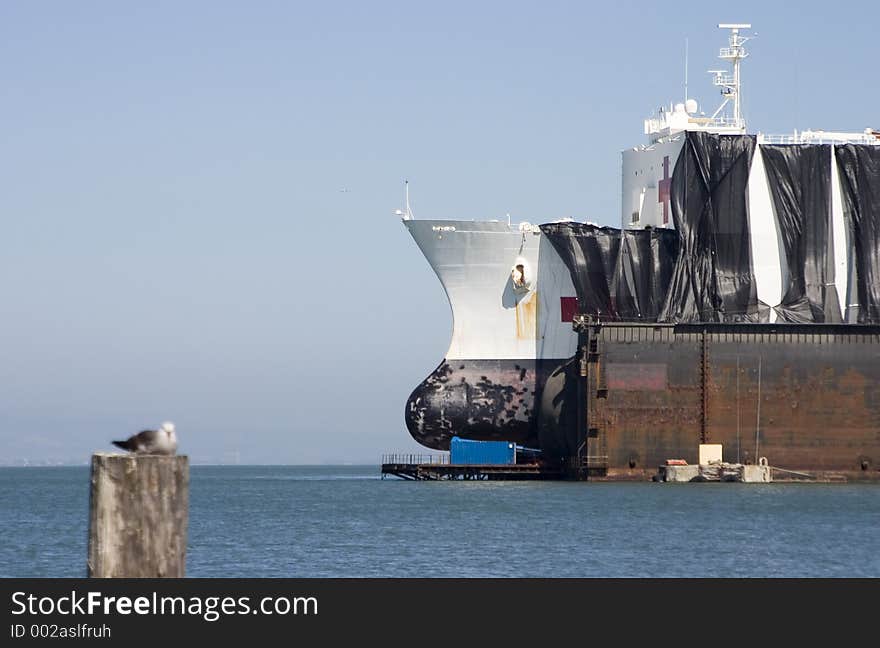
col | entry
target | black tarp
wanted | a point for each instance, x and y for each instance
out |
(617, 274)
(859, 168)
(644, 271)
(713, 279)
(590, 254)
(799, 177)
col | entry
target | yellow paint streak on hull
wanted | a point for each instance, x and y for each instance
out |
(527, 317)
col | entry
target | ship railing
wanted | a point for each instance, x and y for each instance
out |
(719, 121)
(663, 121)
(855, 138)
(415, 459)
(724, 80)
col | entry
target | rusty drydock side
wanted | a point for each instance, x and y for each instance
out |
(807, 397)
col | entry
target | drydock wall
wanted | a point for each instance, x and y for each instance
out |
(806, 397)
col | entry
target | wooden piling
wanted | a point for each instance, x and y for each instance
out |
(138, 516)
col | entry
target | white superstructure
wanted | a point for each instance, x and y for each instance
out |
(727, 118)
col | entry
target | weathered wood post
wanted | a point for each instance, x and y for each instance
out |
(138, 515)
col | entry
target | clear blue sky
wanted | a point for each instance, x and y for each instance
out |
(174, 238)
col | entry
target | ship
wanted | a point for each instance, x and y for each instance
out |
(737, 304)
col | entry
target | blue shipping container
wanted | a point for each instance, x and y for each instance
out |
(464, 451)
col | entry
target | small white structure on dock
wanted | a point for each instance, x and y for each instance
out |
(713, 468)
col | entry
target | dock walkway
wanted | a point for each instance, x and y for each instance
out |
(438, 467)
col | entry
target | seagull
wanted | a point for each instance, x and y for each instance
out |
(162, 441)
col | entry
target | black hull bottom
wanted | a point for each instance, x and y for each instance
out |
(486, 400)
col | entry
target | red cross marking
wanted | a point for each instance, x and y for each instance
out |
(568, 307)
(663, 193)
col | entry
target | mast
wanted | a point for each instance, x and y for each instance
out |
(686, 97)
(731, 84)
(405, 214)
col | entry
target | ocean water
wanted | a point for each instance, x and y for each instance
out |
(344, 521)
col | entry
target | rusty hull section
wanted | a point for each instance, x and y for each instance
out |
(807, 397)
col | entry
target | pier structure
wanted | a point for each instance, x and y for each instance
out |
(438, 467)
